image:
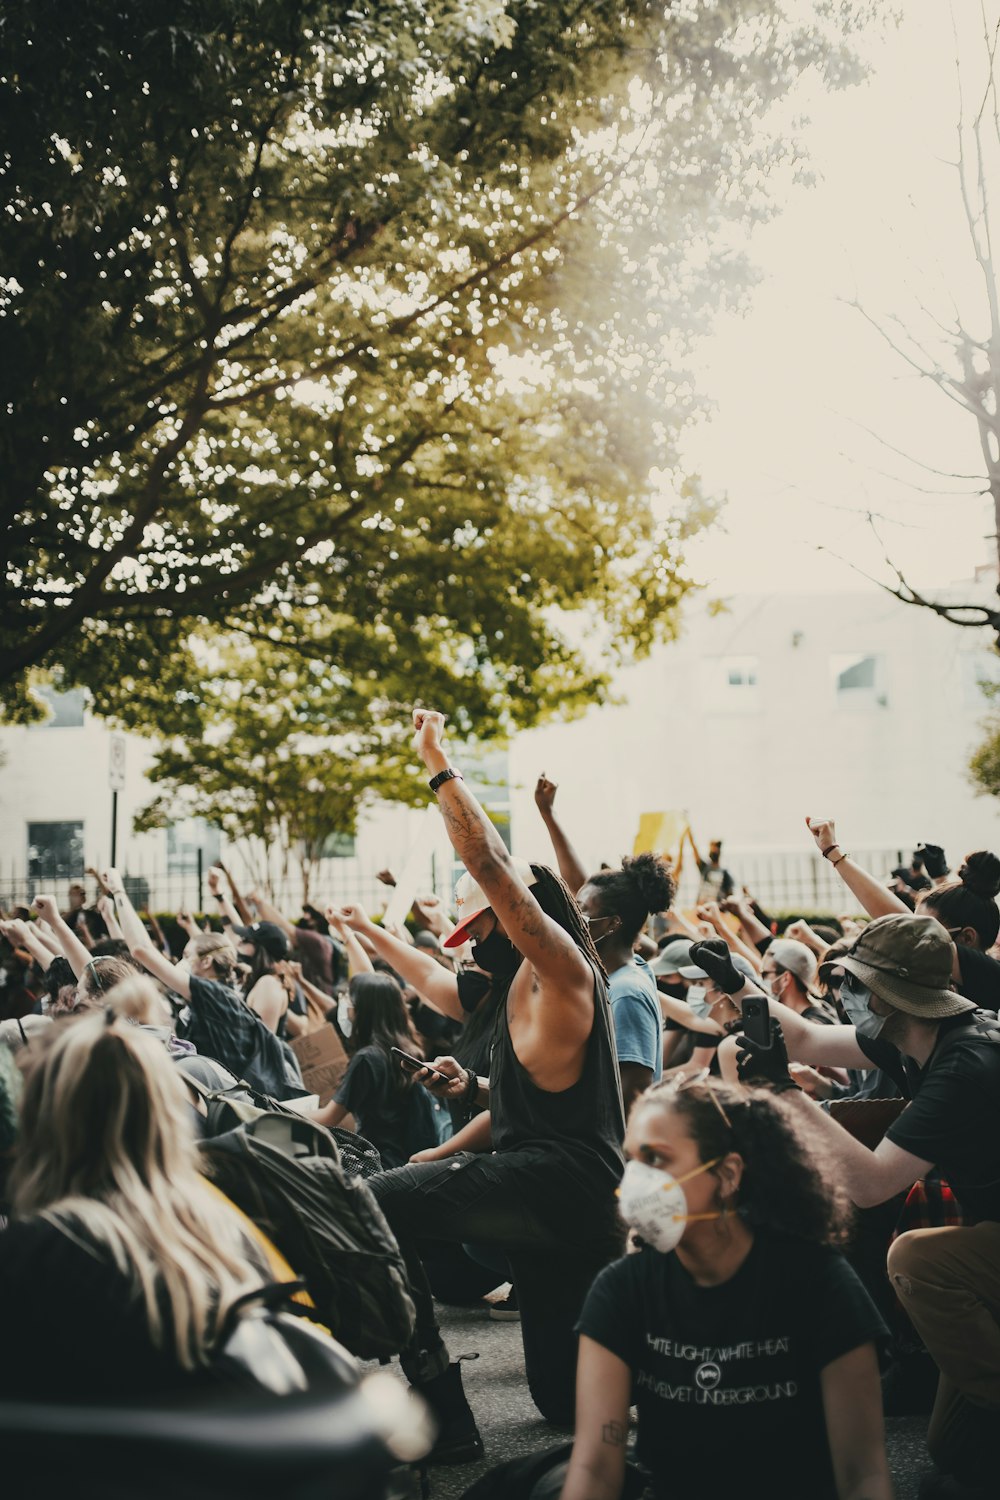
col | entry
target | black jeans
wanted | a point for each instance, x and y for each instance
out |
(501, 1200)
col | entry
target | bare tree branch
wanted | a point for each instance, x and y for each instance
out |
(945, 473)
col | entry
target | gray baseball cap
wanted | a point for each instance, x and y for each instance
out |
(672, 956)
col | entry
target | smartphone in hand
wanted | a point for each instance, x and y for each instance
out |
(756, 1022)
(411, 1064)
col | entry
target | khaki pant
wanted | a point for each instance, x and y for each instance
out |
(948, 1280)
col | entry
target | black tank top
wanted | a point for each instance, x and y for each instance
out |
(581, 1127)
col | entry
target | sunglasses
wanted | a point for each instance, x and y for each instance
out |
(703, 1076)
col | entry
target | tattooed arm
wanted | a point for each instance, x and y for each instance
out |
(603, 1391)
(557, 960)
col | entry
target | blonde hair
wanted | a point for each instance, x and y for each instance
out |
(223, 955)
(107, 1154)
(103, 974)
(138, 999)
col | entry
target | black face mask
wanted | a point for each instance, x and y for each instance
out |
(675, 991)
(496, 954)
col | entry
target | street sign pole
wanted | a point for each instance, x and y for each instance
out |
(116, 780)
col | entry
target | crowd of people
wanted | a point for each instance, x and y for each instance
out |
(742, 1182)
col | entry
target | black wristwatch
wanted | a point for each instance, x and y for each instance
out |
(448, 774)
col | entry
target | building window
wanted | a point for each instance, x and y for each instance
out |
(740, 671)
(55, 852)
(66, 709)
(858, 680)
(856, 675)
(728, 685)
(338, 846)
(183, 842)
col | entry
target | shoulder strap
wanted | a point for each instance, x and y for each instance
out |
(982, 1023)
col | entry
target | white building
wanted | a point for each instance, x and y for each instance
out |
(56, 817)
(845, 705)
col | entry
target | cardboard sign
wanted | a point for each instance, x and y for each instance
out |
(408, 882)
(660, 832)
(323, 1061)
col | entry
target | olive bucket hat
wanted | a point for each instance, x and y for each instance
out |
(907, 962)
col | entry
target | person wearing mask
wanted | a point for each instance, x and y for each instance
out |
(690, 1033)
(945, 1055)
(966, 908)
(789, 973)
(390, 1108)
(969, 911)
(616, 905)
(716, 881)
(741, 1333)
(541, 1189)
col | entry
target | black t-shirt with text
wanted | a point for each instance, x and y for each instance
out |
(726, 1379)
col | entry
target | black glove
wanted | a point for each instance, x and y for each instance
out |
(934, 861)
(768, 1065)
(713, 956)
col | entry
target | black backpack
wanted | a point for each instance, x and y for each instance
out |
(234, 1102)
(286, 1175)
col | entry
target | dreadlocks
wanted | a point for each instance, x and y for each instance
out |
(558, 902)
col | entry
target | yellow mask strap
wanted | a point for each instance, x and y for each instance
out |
(703, 1167)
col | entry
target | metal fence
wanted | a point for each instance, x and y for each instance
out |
(781, 880)
(170, 890)
(795, 880)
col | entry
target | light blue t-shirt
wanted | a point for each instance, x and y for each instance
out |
(635, 1010)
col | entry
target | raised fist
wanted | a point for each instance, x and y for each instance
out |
(428, 726)
(545, 794)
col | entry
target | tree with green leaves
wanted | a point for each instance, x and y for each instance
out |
(260, 760)
(354, 337)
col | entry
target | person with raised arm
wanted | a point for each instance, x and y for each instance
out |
(966, 907)
(570, 865)
(711, 912)
(616, 904)
(358, 961)
(544, 1196)
(75, 953)
(227, 911)
(945, 1055)
(316, 951)
(23, 935)
(221, 1023)
(443, 989)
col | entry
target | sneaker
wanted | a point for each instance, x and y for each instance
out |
(506, 1310)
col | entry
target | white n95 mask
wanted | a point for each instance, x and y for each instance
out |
(653, 1203)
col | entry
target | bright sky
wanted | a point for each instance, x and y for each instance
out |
(797, 379)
